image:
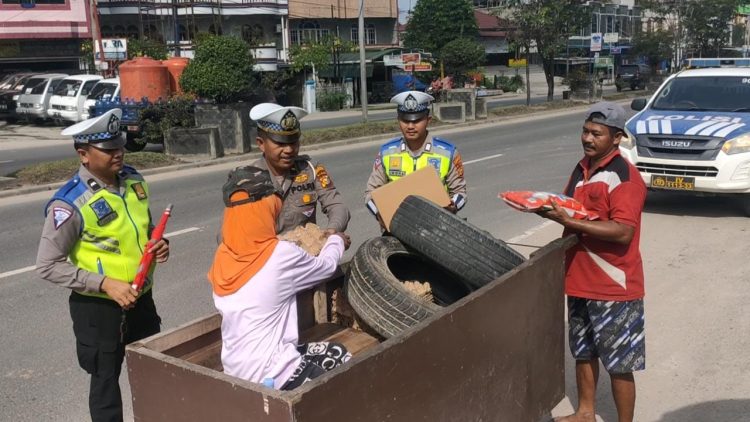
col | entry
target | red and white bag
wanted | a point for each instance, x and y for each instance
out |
(528, 201)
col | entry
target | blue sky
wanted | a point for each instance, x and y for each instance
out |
(403, 8)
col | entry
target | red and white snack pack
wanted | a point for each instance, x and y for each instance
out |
(528, 201)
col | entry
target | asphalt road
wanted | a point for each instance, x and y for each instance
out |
(41, 379)
(37, 144)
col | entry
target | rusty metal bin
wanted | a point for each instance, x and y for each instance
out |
(495, 355)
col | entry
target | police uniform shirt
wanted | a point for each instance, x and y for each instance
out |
(62, 228)
(305, 186)
(454, 180)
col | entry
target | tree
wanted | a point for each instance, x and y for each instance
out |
(222, 70)
(435, 23)
(707, 25)
(461, 55)
(319, 55)
(547, 24)
(146, 47)
(655, 45)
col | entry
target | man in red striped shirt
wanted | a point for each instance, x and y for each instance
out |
(604, 271)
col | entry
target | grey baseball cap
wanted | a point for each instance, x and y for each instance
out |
(614, 114)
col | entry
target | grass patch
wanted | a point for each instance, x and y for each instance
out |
(58, 171)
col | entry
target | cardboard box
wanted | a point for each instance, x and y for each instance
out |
(423, 182)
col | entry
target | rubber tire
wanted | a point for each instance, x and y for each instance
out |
(471, 254)
(131, 144)
(376, 292)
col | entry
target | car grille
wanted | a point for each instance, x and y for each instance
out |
(58, 107)
(677, 147)
(675, 170)
(27, 105)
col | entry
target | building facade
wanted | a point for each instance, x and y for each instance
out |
(43, 35)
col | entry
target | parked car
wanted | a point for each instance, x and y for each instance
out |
(34, 101)
(67, 101)
(635, 76)
(9, 96)
(693, 135)
(104, 90)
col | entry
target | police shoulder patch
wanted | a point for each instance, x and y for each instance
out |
(61, 215)
(322, 175)
(140, 193)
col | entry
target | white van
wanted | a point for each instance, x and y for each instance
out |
(67, 100)
(104, 90)
(33, 102)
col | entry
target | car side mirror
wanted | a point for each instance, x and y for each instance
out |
(638, 104)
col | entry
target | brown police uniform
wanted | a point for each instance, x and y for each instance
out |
(305, 186)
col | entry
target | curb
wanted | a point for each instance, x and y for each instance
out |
(323, 145)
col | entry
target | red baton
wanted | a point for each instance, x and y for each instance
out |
(148, 257)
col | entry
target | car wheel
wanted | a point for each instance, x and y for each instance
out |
(132, 144)
(375, 286)
(471, 254)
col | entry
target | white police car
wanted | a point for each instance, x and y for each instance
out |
(693, 134)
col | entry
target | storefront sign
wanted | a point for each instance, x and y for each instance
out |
(596, 41)
(114, 49)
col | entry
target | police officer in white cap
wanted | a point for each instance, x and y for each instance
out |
(303, 184)
(96, 229)
(415, 149)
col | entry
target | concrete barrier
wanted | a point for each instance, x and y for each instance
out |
(467, 96)
(454, 112)
(195, 142)
(480, 107)
(236, 130)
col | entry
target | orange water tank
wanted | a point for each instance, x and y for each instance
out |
(175, 66)
(144, 77)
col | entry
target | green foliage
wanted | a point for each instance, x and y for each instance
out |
(656, 45)
(158, 118)
(548, 24)
(331, 100)
(462, 55)
(87, 53)
(707, 26)
(507, 84)
(435, 23)
(319, 55)
(578, 79)
(147, 48)
(222, 70)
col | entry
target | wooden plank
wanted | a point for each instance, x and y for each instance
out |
(354, 341)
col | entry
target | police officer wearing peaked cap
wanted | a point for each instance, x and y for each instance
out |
(303, 184)
(96, 230)
(416, 149)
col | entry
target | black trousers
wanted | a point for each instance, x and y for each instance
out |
(101, 335)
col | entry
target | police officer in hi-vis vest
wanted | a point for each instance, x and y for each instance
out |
(96, 230)
(302, 183)
(415, 150)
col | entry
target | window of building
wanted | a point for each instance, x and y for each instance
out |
(308, 32)
(370, 35)
(106, 31)
(252, 34)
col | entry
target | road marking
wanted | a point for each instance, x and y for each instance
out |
(489, 157)
(32, 267)
(6, 161)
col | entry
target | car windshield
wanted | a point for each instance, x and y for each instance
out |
(35, 86)
(628, 70)
(102, 90)
(705, 93)
(68, 88)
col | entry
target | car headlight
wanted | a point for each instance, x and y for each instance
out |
(37, 106)
(70, 108)
(628, 140)
(737, 145)
(15, 97)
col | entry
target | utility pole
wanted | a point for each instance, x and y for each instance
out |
(96, 35)
(176, 30)
(362, 63)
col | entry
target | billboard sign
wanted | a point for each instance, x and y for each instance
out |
(418, 67)
(596, 41)
(411, 58)
(114, 49)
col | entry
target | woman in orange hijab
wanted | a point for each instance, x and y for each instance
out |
(256, 278)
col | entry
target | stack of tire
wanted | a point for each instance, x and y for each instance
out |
(430, 243)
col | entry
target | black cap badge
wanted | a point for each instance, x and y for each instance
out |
(113, 127)
(410, 103)
(289, 121)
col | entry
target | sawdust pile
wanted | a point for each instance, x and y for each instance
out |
(422, 291)
(310, 238)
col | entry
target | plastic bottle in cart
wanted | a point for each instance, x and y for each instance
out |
(268, 382)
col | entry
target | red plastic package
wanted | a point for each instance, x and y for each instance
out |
(528, 201)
